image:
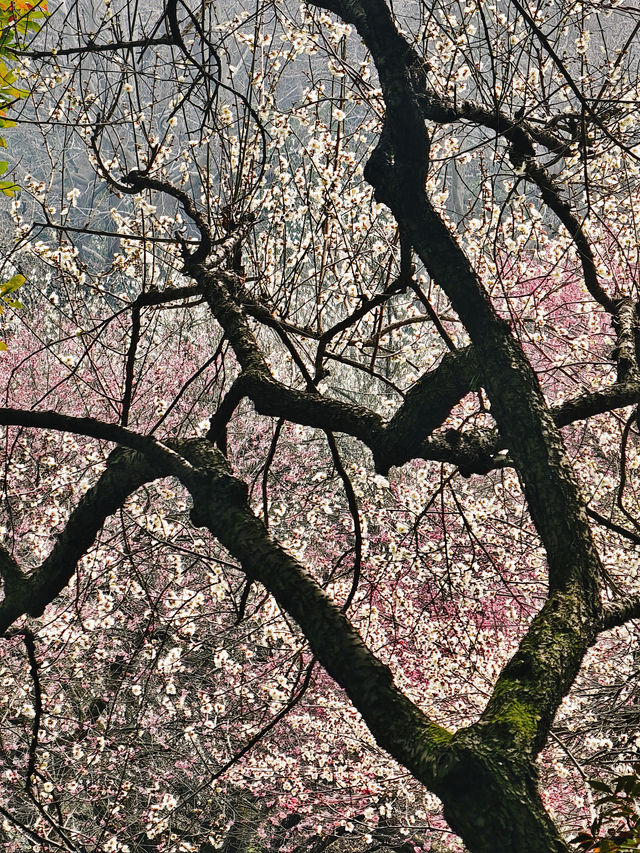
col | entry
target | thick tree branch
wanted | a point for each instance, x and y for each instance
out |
(542, 670)
(592, 403)
(31, 594)
(427, 406)
(396, 170)
(220, 503)
(519, 134)
(91, 427)
(620, 613)
(625, 322)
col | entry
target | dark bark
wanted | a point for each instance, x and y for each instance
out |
(30, 594)
(484, 774)
(516, 721)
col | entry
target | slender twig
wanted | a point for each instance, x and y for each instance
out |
(130, 365)
(354, 511)
(30, 646)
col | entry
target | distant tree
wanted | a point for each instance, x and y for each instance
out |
(321, 448)
(18, 21)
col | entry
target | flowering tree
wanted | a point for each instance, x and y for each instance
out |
(17, 20)
(320, 477)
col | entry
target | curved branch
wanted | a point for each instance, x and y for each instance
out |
(616, 615)
(220, 503)
(92, 47)
(426, 406)
(136, 180)
(31, 594)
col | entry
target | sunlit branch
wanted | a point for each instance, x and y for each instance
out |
(146, 238)
(618, 614)
(536, 679)
(625, 323)
(220, 503)
(92, 47)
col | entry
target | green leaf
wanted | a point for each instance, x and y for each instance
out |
(12, 284)
(8, 188)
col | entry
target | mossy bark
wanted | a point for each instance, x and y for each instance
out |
(491, 800)
(485, 774)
